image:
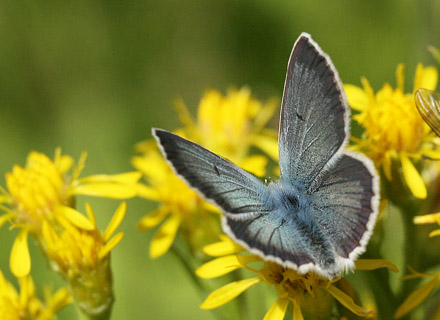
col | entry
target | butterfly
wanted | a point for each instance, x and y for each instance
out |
(320, 214)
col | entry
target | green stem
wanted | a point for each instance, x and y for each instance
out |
(188, 268)
(196, 280)
(411, 250)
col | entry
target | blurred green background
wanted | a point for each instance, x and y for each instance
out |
(95, 76)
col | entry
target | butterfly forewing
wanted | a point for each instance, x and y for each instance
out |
(314, 114)
(234, 190)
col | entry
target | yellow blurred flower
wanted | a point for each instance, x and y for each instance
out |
(44, 191)
(227, 125)
(25, 304)
(394, 131)
(307, 293)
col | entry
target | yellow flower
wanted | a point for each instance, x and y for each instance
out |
(78, 251)
(227, 125)
(394, 131)
(418, 295)
(25, 304)
(307, 293)
(45, 188)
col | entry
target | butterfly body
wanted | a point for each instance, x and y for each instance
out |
(320, 214)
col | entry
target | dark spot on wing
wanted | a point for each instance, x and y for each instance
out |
(216, 170)
(299, 116)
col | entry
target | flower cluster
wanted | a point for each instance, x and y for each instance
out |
(309, 294)
(40, 202)
(395, 134)
(25, 304)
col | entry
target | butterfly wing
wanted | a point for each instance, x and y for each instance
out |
(346, 204)
(314, 120)
(237, 192)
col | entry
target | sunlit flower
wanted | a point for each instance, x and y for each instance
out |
(307, 293)
(418, 295)
(78, 251)
(25, 304)
(394, 131)
(44, 189)
(227, 125)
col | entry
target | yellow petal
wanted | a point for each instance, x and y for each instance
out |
(124, 178)
(59, 300)
(221, 266)
(63, 162)
(228, 292)
(425, 78)
(5, 218)
(400, 76)
(387, 165)
(164, 238)
(297, 314)
(348, 302)
(152, 219)
(90, 214)
(434, 233)
(267, 144)
(427, 218)
(20, 260)
(357, 99)
(106, 190)
(255, 164)
(147, 192)
(432, 154)
(74, 217)
(222, 248)
(278, 310)
(416, 297)
(27, 290)
(183, 113)
(413, 178)
(116, 221)
(265, 114)
(4, 198)
(110, 245)
(373, 264)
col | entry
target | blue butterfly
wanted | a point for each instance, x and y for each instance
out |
(320, 214)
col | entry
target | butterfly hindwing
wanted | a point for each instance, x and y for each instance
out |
(314, 114)
(346, 204)
(234, 190)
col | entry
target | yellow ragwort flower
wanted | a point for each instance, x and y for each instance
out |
(307, 293)
(45, 188)
(227, 125)
(393, 128)
(418, 295)
(78, 251)
(25, 304)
